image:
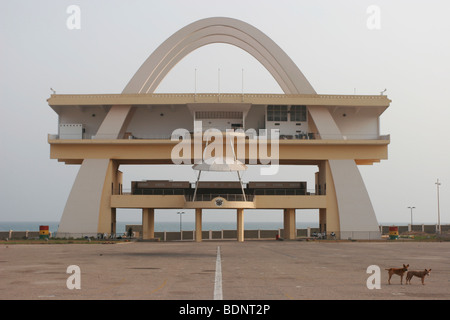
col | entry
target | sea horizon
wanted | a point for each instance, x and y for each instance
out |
(186, 225)
(159, 225)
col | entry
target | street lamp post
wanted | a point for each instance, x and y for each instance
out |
(411, 217)
(439, 213)
(181, 229)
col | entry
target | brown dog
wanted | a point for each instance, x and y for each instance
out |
(419, 274)
(397, 271)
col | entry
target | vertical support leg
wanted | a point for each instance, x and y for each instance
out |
(111, 186)
(240, 225)
(148, 223)
(329, 220)
(113, 221)
(323, 221)
(355, 210)
(89, 200)
(198, 224)
(289, 224)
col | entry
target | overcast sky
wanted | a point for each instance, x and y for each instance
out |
(342, 47)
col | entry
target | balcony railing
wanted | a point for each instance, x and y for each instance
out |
(301, 136)
(226, 196)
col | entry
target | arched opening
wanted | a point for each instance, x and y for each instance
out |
(228, 69)
(218, 30)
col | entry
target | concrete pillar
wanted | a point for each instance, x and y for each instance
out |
(148, 223)
(240, 225)
(289, 224)
(322, 220)
(329, 216)
(87, 206)
(198, 224)
(107, 216)
(113, 221)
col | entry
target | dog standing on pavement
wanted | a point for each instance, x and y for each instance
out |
(419, 274)
(397, 271)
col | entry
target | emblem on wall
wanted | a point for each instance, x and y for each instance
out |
(219, 202)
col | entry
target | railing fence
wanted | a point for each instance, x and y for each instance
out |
(308, 233)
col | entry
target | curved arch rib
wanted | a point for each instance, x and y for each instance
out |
(219, 30)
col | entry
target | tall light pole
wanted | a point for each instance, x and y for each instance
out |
(181, 229)
(411, 217)
(439, 213)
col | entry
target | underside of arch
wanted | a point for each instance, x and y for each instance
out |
(219, 30)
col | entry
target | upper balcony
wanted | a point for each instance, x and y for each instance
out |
(148, 136)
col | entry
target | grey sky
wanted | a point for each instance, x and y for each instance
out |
(328, 40)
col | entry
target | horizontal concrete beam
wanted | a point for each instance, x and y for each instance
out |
(147, 201)
(160, 151)
(180, 98)
(179, 202)
(290, 202)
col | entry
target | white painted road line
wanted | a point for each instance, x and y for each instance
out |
(218, 281)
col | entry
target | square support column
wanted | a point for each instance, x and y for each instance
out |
(323, 220)
(113, 221)
(198, 225)
(240, 225)
(289, 224)
(148, 223)
(328, 217)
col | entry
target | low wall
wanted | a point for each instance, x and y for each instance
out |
(19, 235)
(426, 228)
(232, 234)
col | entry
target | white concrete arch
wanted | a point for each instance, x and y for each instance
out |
(224, 39)
(219, 30)
(194, 36)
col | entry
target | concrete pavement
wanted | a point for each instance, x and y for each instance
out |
(252, 270)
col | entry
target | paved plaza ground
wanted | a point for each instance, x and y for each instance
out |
(251, 270)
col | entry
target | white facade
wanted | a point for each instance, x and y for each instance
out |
(71, 131)
(159, 121)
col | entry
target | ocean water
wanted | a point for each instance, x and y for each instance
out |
(159, 225)
(173, 225)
